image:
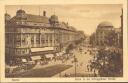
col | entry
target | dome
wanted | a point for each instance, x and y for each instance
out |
(105, 24)
(20, 14)
(20, 11)
(6, 14)
(54, 19)
(7, 17)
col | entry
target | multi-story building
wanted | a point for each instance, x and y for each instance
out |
(107, 34)
(118, 37)
(102, 31)
(29, 36)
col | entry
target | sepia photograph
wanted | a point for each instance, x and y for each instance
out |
(67, 40)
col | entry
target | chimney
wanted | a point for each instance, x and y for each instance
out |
(44, 13)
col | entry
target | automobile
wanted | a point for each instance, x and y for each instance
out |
(31, 62)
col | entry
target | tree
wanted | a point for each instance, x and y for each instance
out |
(111, 38)
(108, 63)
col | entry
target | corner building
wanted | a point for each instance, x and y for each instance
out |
(30, 35)
(103, 29)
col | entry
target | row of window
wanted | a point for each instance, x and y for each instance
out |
(21, 51)
(38, 39)
(17, 51)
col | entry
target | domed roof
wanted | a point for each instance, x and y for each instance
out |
(6, 14)
(20, 11)
(105, 24)
(54, 17)
(7, 17)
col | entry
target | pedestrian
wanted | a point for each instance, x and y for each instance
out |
(66, 75)
(88, 68)
(94, 73)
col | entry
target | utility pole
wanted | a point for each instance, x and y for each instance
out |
(75, 60)
(75, 69)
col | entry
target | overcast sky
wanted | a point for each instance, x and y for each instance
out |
(82, 17)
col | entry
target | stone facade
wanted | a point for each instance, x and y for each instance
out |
(103, 29)
(26, 31)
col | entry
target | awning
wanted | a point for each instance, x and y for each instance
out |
(49, 55)
(36, 57)
(24, 60)
(41, 49)
(42, 52)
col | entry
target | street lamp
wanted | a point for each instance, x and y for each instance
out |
(75, 61)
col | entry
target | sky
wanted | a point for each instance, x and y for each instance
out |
(85, 17)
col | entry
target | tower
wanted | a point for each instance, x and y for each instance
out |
(121, 21)
(7, 16)
(121, 41)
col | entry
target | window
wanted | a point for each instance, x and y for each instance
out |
(37, 39)
(32, 40)
(46, 41)
(23, 40)
(42, 39)
(17, 39)
(23, 51)
(50, 38)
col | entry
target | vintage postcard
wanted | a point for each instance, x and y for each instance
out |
(80, 41)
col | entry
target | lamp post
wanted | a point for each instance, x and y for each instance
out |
(75, 60)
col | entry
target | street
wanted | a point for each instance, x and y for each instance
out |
(59, 69)
(81, 66)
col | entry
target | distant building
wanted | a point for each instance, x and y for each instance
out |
(107, 34)
(87, 41)
(28, 36)
(102, 31)
(118, 38)
(92, 40)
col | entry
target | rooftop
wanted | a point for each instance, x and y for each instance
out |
(105, 24)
